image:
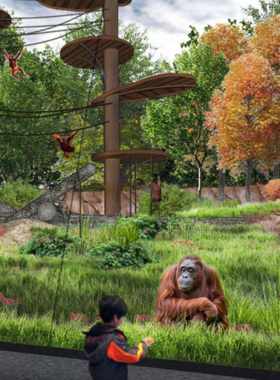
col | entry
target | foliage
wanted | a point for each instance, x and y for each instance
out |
(227, 39)
(148, 226)
(272, 190)
(50, 232)
(177, 124)
(246, 114)
(40, 245)
(173, 199)
(266, 9)
(124, 233)
(17, 193)
(218, 210)
(266, 40)
(115, 255)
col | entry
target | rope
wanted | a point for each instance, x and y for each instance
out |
(35, 17)
(48, 25)
(66, 109)
(66, 235)
(39, 32)
(50, 133)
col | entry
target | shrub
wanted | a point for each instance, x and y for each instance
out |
(272, 190)
(18, 193)
(125, 232)
(173, 199)
(41, 245)
(148, 226)
(115, 255)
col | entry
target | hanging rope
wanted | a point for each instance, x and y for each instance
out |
(66, 235)
(50, 133)
(39, 32)
(37, 17)
(63, 110)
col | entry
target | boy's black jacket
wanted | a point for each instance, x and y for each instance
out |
(108, 352)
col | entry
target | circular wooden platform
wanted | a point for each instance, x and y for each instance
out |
(5, 19)
(126, 155)
(78, 5)
(97, 45)
(155, 87)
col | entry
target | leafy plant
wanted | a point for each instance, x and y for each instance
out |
(41, 245)
(18, 193)
(115, 255)
(125, 232)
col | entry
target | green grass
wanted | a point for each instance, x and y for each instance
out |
(249, 272)
(219, 210)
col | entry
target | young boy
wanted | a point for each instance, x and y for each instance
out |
(106, 346)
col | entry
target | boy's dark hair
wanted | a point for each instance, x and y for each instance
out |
(110, 306)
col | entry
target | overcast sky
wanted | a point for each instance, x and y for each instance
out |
(167, 21)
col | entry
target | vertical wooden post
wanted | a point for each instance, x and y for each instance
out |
(80, 214)
(152, 175)
(135, 189)
(130, 192)
(111, 112)
(158, 178)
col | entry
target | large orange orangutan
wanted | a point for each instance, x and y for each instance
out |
(191, 290)
(64, 143)
(13, 62)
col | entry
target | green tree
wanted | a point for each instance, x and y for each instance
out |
(267, 8)
(177, 124)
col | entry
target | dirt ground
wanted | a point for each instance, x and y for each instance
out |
(19, 231)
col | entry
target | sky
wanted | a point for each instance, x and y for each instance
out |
(166, 21)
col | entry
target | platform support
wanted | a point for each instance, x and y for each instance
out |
(111, 112)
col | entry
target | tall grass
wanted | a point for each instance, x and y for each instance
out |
(243, 257)
(221, 210)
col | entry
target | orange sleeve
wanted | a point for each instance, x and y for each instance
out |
(119, 351)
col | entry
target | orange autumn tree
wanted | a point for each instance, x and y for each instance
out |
(246, 114)
(266, 41)
(226, 39)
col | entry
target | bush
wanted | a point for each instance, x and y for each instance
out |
(148, 226)
(125, 232)
(18, 193)
(173, 199)
(41, 245)
(115, 255)
(272, 190)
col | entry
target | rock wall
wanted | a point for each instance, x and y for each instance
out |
(232, 193)
(93, 202)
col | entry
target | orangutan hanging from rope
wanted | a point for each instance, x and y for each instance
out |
(156, 190)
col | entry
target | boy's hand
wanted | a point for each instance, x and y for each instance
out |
(148, 341)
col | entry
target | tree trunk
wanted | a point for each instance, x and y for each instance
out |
(248, 180)
(221, 186)
(42, 204)
(276, 170)
(199, 179)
